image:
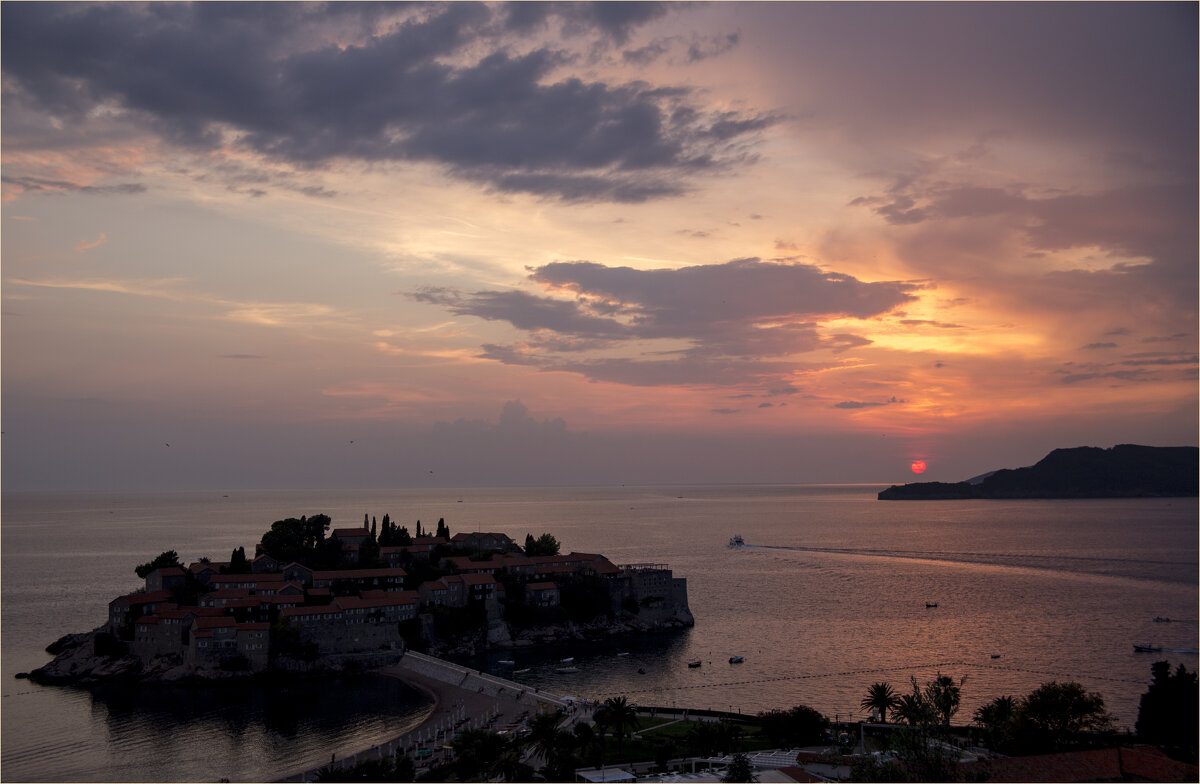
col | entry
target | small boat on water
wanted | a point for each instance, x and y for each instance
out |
(518, 672)
(641, 670)
(506, 662)
(568, 660)
(1147, 648)
(995, 656)
(694, 664)
(566, 670)
(1160, 619)
(623, 654)
(737, 541)
(736, 659)
(930, 604)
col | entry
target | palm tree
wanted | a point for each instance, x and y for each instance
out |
(944, 696)
(880, 697)
(621, 716)
(911, 708)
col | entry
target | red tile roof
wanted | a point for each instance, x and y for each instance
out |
(1134, 763)
(291, 612)
(390, 599)
(147, 597)
(351, 574)
(262, 577)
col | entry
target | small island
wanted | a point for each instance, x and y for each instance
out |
(358, 598)
(1124, 471)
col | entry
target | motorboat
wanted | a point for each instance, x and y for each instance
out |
(1147, 648)
(737, 541)
(694, 664)
(928, 605)
(736, 659)
(995, 656)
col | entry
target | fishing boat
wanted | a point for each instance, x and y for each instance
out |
(737, 541)
(1147, 648)
(736, 659)
(694, 663)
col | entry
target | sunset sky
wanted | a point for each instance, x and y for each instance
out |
(305, 245)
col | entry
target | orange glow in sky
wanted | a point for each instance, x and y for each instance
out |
(666, 242)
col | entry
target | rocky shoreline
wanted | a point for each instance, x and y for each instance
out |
(77, 662)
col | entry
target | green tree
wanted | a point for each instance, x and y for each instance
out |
(1167, 713)
(622, 717)
(943, 695)
(1053, 715)
(164, 560)
(739, 769)
(237, 562)
(880, 697)
(998, 719)
(798, 726)
(545, 544)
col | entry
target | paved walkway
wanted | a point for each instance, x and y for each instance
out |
(462, 699)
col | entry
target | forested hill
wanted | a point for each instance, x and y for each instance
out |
(1124, 471)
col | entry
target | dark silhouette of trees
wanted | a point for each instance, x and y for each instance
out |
(880, 697)
(739, 769)
(164, 560)
(303, 541)
(1053, 714)
(799, 726)
(238, 564)
(621, 716)
(443, 530)
(998, 719)
(1167, 713)
(545, 544)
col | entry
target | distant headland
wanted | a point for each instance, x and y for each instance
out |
(1124, 471)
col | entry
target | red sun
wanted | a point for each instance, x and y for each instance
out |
(918, 466)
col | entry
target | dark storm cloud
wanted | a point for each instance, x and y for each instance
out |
(735, 318)
(524, 311)
(436, 84)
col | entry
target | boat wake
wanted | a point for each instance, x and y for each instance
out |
(1105, 567)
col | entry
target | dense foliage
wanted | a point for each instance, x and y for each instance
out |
(1167, 714)
(162, 561)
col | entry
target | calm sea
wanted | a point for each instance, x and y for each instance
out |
(829, 598)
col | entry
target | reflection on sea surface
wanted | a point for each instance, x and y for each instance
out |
(234, 730)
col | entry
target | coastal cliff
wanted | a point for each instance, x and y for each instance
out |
(1124, 471)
